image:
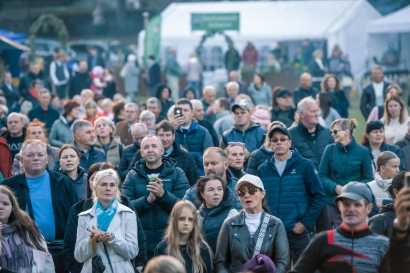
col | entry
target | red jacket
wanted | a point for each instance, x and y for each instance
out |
(5, 162)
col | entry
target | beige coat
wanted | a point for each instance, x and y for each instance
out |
(121, 249)
(113, 152)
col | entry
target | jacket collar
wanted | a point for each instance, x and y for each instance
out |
(305, 130)
(193, 127)
(176, 150)
(116, 221)
(353, 233)
(169, 166)
(348, 147)
(251, 126)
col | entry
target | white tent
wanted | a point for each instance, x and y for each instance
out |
(395, 28)
(266, 22)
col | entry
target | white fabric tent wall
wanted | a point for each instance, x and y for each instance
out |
(266, 23)
(395, 22)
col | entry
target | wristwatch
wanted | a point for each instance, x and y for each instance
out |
(396, 229)
(112, 237)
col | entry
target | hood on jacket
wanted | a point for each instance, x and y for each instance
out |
(228, 201)
(386, 208)
(382, 183)
(80, 174)
(169, 166)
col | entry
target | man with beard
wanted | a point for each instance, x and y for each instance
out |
(215, 163)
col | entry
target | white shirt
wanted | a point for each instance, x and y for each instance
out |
(395, 131)
(253, 221)
(378, 92)
(319, 63)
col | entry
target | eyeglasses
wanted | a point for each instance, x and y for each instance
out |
(251, 191)
(334, 132)
(275, 140)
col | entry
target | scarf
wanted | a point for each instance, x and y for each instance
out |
(15, 255)
(34, 94)
(104, 217)
(382, 183)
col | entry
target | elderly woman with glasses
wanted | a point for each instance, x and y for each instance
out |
(374, 141)
(342, 162)
(253, 231)
(110, 224)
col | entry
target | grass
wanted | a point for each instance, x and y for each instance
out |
(354, 112)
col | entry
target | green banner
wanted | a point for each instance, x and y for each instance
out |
(153, 38)
(215, 21)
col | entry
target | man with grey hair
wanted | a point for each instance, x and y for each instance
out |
(45, 195)
(153, 186)
(84, 139)
(123, 128)
(44, 112)
(305, 89)
(404, 146)
(15, 134)
(148, 118)
(138, 132)
(199, 116)
(208, 100)
(232, 91)
(155, 106)
(309, 137)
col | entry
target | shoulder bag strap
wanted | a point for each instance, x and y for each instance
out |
(333, 162)
(108, 258)
(261, 235)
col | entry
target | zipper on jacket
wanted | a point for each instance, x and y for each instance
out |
(280, 193)
(243, 137)
(352, 250)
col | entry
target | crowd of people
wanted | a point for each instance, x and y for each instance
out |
(239, 183)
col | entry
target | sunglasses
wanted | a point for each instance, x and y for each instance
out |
(251, 191)
(334, 132)
(276, 140)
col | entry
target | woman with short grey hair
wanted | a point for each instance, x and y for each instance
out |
(106, 141)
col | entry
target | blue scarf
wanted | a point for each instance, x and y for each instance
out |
(104, 217)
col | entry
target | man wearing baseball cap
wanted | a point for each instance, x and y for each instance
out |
(352, 247)
(294, 191)
(244, 130)
(283, 111)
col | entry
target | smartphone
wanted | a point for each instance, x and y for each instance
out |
(407, 180)
(177, 111)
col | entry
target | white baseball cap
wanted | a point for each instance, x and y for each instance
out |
(251, 179)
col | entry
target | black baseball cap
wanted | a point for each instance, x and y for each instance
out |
(280, 129)
(355, 191)
(283, 93)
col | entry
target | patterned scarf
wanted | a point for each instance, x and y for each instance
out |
(15, 255)
(104, 217)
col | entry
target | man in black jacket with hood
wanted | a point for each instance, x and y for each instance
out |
(153, 186)
(166, 133)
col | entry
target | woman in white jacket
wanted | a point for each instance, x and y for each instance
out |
(112, 222)
(387, 164)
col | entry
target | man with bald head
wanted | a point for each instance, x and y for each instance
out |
(208, 100)
(138, 132)
(153, 186)
(305, 89)
(309, 138)
(15, 134)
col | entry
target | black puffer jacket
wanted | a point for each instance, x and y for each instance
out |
(236, 246)
(126, 159)
(70, 236)
(211, 220)
(257, 158)
(184, 160)
(382, 223)
(154, 216)
(79, 183)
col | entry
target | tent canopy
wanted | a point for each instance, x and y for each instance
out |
(395, 22)
(12, 35)
(342, 22)
(7, 44)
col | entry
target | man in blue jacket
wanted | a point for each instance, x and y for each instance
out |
(293, 190)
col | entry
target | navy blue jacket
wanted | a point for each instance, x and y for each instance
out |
(297, 195)
(391, 148)
(253, 137)
(96, 156)
(49, 118)
(195, 141)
